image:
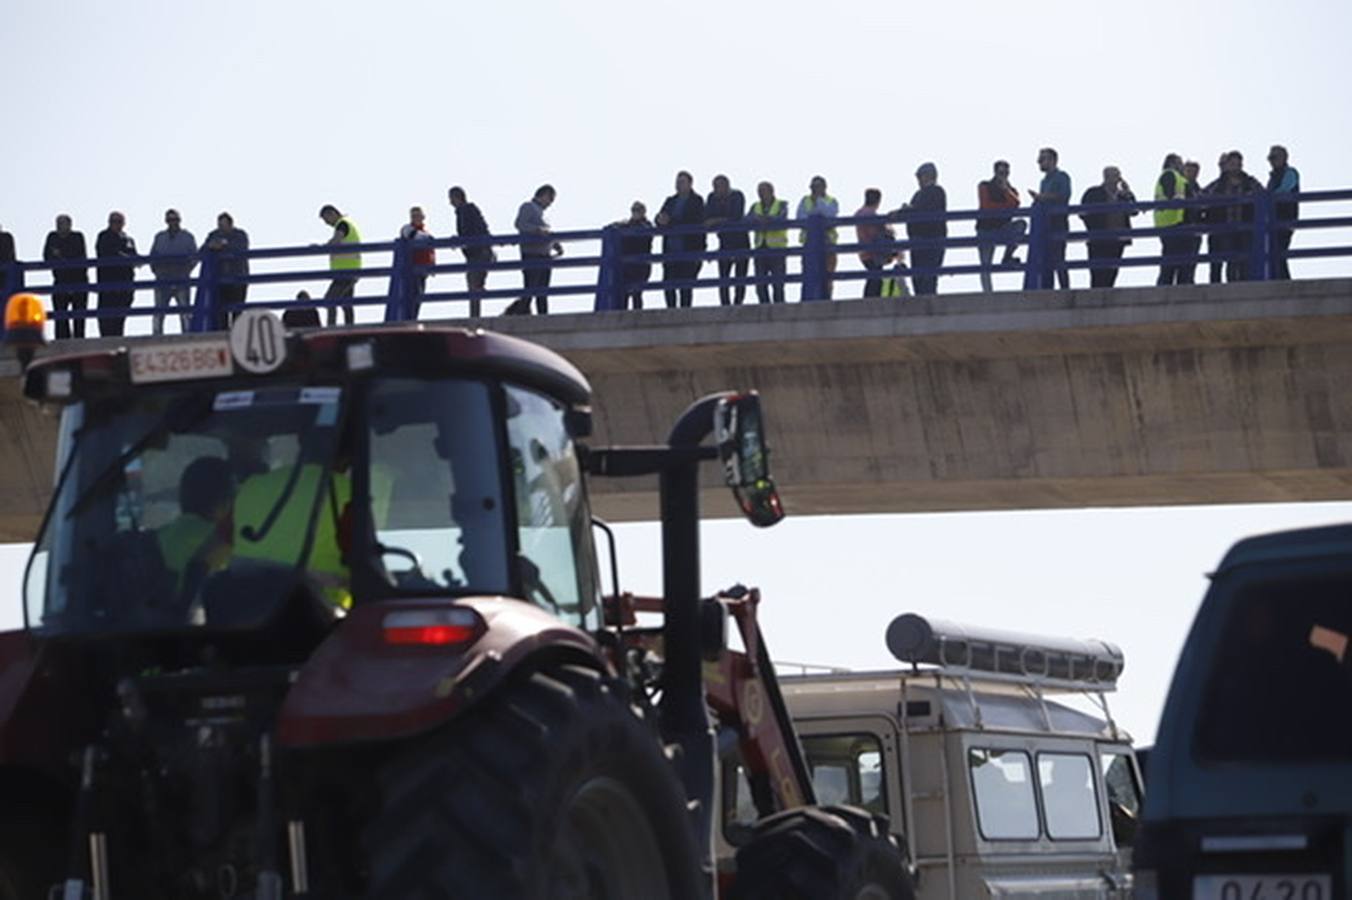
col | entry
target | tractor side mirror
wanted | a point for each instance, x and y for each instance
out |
(739, 431)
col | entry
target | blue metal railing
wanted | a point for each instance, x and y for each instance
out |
(1240, 230)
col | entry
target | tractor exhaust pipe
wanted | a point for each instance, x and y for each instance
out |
(89, 848)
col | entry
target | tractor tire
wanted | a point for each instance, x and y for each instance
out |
(822, 853)
(554, 788)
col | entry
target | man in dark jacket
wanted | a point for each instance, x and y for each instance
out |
(1106, 249)
(636, 240)
(232, 243)
(64, 247)
(930, 198)
(725, 205)
(470, 223)
(8, 256)
(113, 244)
(682, 208)
(1232, 236)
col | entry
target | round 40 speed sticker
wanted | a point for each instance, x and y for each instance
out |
(258, 341)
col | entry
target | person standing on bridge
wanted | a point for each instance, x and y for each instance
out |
(997, 194)
(1235, 237)
(1113, 190)
(470, 225)
(66, 247)
(1173, 185)
(771, 241)
(1192, 217)
(875, 254)
(819, 203)
(928, 258)
(343, 264)
(722, 206)
(115, 250)
(424, 254)
(1053, 196)
(536, 252)
(1283, 179)
(8, 257)
(636, 241)
(682, 209)
(172, 259)
(232, 265)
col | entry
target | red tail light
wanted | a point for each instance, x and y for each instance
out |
(450, 627)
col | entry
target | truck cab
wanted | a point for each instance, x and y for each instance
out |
(981, 760)
(1251, 771)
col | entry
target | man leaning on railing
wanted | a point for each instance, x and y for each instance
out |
(993, 230)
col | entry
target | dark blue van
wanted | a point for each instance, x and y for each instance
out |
(1250, 778)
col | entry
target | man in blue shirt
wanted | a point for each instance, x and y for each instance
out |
(1053, 195)
(1284, 179)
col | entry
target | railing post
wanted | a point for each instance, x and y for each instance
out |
(204, 314)
(1262, 233)
(1037, 249)
(610, 276)
(399, 306)
(814, 258)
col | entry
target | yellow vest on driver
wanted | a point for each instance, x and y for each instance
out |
(285, 540)
(339, 261)
(1168, 218)
(771, 238)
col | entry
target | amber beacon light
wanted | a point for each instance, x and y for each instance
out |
(25, 318)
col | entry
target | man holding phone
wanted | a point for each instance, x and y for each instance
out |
(1053, 195)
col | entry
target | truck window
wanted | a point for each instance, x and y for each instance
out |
(1002, 784)
(847, 768)
(1069, 796)
(1280, 685)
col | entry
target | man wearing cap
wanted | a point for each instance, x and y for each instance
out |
(929, 199)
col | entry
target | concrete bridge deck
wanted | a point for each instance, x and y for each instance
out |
(1199, 394)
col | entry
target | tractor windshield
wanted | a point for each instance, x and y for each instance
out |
(185, 507)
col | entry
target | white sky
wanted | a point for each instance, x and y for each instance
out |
(271, 109)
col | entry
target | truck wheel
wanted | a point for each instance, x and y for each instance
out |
(553, 789)
(821, 853)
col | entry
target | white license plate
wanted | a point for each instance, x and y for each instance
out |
(180, 362)
(1262, 887)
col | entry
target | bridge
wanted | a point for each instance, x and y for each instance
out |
(1031, 400)
(1023, 399)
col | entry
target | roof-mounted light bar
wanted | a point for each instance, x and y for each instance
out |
(919, 641)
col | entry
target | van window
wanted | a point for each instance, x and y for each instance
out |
(847, 768)
(1280, 685)
(1069, 796)
(1124, 795)
(1002, 783)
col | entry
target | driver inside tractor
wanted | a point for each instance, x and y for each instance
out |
(197, 542)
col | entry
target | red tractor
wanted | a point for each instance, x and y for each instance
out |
(320, 615)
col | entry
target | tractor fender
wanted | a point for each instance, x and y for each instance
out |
(356, 687)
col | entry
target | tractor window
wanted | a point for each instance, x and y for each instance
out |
(435, 485)
(1069, 796)
(848, 769)
(1002, 782)
(556, 560)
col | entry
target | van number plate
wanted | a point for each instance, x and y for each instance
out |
(1262, 887)
(180, 361)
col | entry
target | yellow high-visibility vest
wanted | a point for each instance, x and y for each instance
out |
(347, 260)
(779, 238)
(810, 202)
(1168, 218)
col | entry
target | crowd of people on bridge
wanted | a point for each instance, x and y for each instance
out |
(757, 233)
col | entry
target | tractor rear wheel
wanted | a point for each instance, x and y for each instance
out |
(554, 789)
(821, 853)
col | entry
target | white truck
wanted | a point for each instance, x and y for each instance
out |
(993, 754)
